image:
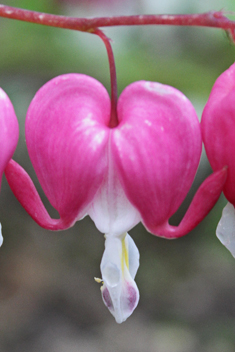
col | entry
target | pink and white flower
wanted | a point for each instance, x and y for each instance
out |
(218, 128)
(140, 170)
(9, 134)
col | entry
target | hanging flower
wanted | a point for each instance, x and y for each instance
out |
(218, 128)
(141, 170)
(9, 134)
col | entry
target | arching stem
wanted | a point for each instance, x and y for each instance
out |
(215, 19)
(113, 77)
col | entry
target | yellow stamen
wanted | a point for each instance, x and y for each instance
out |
(97, 279)
(125, 257)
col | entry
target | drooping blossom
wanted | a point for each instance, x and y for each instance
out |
(140, 170)
(218, 129)
(9, 134)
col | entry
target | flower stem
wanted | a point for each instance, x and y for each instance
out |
(214, 19)
(209, 19)
(113, 78)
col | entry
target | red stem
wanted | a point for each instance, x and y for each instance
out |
(208, 19)
(113, 78)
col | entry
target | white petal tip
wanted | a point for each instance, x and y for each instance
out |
(1, 238)
(121, 306)
(118, 267)
(226, 228)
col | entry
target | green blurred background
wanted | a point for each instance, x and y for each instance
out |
(49, 300)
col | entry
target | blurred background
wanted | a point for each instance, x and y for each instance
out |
(49, 300)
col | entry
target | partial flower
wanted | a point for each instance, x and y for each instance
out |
(141, 170)
(218, 130)
(9, 134)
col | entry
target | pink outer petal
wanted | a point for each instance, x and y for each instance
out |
(9, 131)
(218, 128)
(203, 201)
(157, 148)
(67, 137)
(26, 193)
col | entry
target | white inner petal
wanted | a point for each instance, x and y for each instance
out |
(119, 265)
(134, 256)
(111, 274)
(1, 238)
(226, 228)
(110, 209)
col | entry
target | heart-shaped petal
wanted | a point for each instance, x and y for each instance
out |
(9, 131)
(66, 136)
(156, 147)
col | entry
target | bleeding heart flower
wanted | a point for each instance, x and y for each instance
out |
(141, 170)
(218, 129)
(9, 134)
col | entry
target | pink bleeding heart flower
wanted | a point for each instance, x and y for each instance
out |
(218, 128)
(9, 134)
(140, 170)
